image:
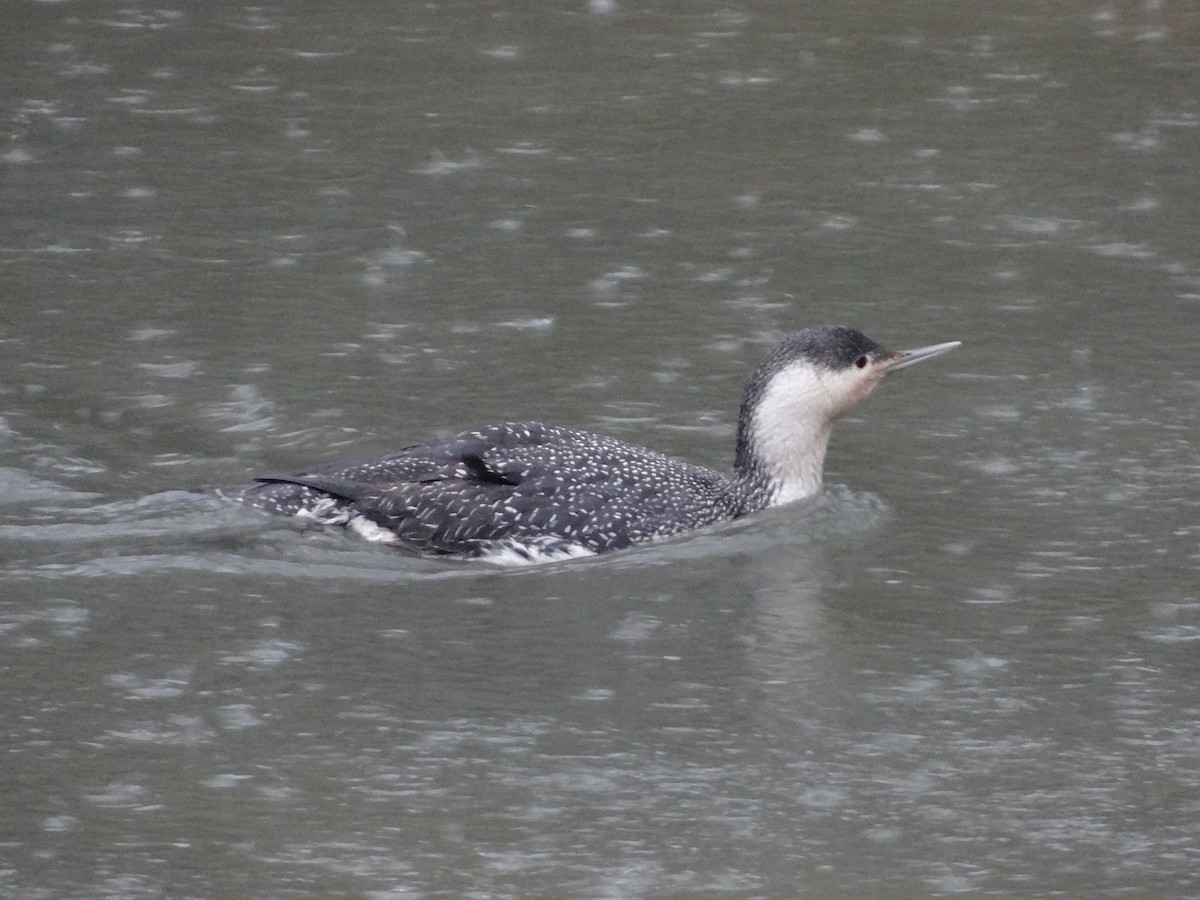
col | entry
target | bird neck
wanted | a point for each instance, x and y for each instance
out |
(788, 463)
(783, 433)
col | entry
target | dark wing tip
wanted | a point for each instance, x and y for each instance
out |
(482, 472)
(335, 488)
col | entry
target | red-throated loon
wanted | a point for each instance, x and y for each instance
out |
(527, 492)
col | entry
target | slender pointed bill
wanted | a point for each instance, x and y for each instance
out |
(906, 358)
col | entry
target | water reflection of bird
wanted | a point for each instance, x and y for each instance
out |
(527, 492)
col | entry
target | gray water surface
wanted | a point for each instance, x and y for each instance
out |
(237, 240)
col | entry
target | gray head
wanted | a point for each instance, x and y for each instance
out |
(811, 379)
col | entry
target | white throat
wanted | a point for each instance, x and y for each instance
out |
(790, 428)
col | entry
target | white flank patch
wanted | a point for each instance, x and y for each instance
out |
(327, 511)
(533, 551)
(371, 531)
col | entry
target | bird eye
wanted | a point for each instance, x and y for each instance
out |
(860, 363)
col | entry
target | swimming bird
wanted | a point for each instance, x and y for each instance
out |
(524, 492)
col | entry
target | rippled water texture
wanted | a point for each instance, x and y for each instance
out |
(237, 240)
